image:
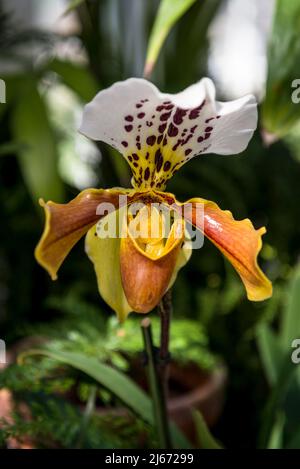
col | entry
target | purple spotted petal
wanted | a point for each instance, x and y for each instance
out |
(157, 133)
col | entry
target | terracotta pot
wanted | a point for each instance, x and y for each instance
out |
(200, 390)
(7, 405)
(190, 387)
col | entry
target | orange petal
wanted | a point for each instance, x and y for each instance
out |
(145, 279)
(239, 241)
(65, 224)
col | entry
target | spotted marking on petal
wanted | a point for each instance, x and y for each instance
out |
(162, 137)
(151, 140)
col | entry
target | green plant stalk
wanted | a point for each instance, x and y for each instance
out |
(165, 313)
(156, 388)
(88, 412)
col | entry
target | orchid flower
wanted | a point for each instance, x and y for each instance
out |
(156, 133)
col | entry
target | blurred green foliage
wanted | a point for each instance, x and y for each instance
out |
(55, 421)
(83, 329)
(262, 184)
(281, 415)
(35, 138)
(279, 112)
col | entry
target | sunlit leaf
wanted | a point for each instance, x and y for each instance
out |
(76, 77)
(204, 437)
(279, 112)
(168, 13)
(276, 437)
(72, 5)
(37, 152)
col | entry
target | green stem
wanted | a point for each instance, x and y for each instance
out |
(88, 411)
(156, 388)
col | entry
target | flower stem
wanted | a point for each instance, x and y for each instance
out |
(156, 388)
(165, 313)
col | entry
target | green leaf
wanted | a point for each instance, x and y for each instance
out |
(294, 442)
(275, 351)
(271, 354)
(204, 437)
(293, 141)
(37, 151)
(76, 77)
(279, 113)
(276, 437)
(116, 382)
(290, 327)
(168, 13)
(9, 148)
(72, 5)
(276, 400)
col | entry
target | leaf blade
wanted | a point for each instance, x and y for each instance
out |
(76, 77)
(279, 113)
(37, 150)
(119, 384)
(205, 438)
(169, 12)
(271, 354)
(290, 327)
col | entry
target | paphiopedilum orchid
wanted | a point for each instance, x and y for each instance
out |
(156, 133)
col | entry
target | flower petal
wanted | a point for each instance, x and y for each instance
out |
(239, 241)
(182, 260)
(145, 279)
(157, 133)
(105, 255)
(66, 223)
